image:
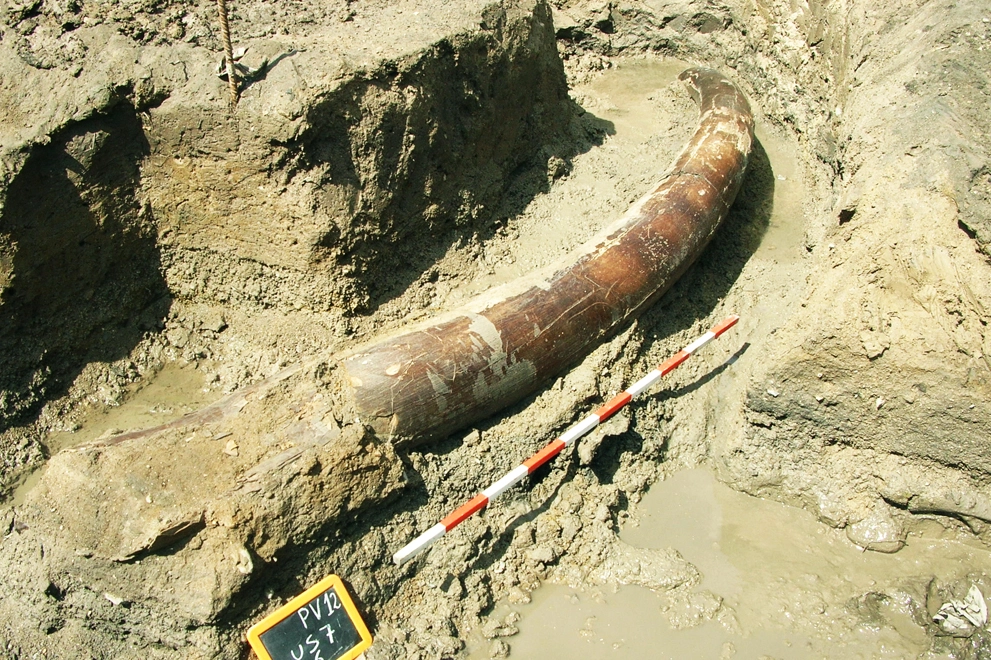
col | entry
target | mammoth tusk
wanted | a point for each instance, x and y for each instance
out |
(450, 373)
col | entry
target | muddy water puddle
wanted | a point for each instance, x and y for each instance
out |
(626, 95)
(785, 235)
(789, 587)
(171, 393)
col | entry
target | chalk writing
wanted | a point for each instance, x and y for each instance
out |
(320, 624)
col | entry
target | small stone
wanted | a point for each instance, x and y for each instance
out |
(214, 321)
(498, 649)
(773, 392)
(878, 532)
(874, 344)
(493, 629)
(177, 337)
(114, 600)
(543, 554)
(244, 563)
(655, 569)
(557, 167)
(444, 646)
(231, 448)
(692, 609)
(563, 22)
(518, 597)
(877, 404)
(473, 438)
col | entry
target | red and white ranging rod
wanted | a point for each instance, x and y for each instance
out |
(551, 450)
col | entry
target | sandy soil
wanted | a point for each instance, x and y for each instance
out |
(395, 159)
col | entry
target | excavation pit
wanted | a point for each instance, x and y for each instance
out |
(387, 165)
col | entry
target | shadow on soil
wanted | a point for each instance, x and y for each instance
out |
(701, 288)
(83, 280)
(418, 157)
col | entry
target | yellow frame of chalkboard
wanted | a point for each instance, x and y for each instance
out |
(287, 610)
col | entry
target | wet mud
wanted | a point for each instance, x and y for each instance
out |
(775, 582)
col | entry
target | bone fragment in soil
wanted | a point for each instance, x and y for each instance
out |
(173, 392)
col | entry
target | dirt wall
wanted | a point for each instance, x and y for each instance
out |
(83, 279)
(888, 355)
(337, 194)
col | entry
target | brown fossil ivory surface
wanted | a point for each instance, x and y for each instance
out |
(454, 371)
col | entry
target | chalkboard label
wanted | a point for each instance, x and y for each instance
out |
(322, 623)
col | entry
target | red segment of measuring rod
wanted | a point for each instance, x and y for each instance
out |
(614, 404)
(672, 362)
(725, 325)
(468, 508)
(544, 455)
